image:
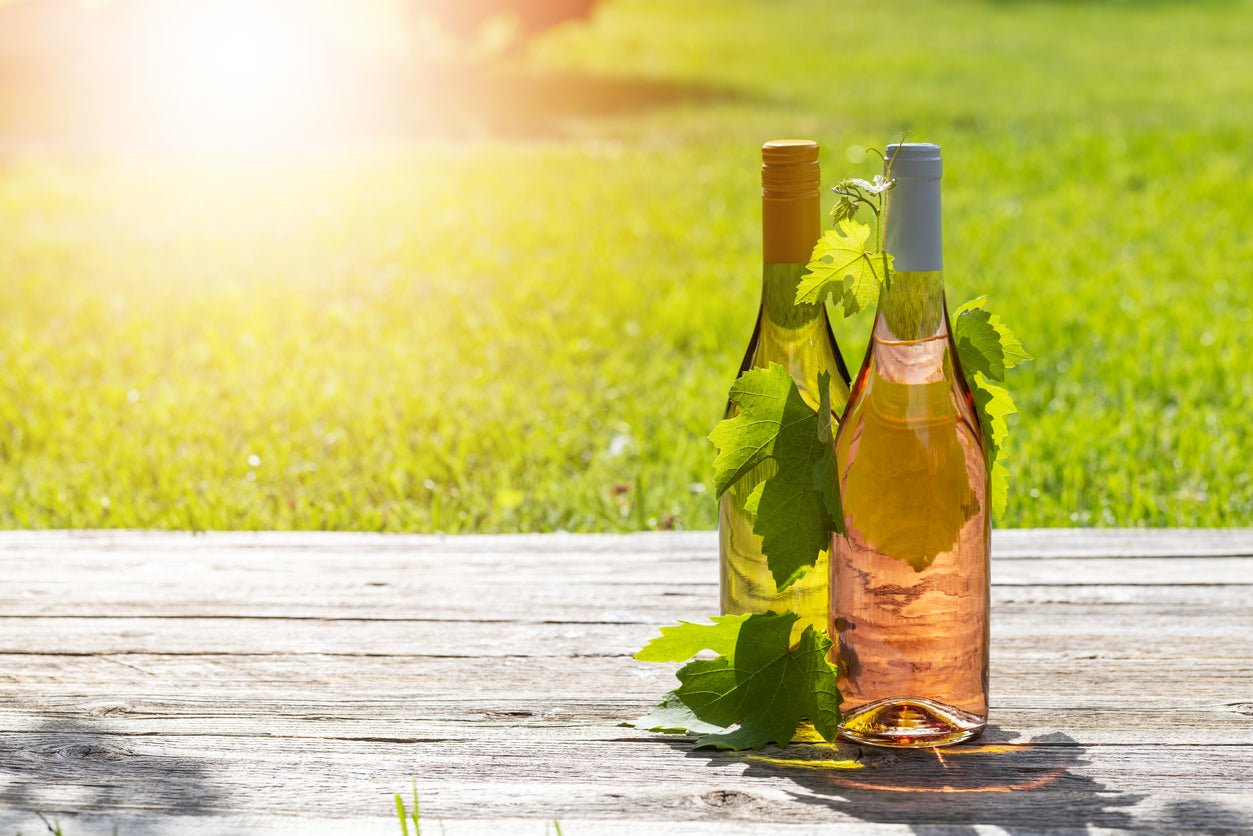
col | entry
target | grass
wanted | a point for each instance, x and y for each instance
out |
(405, 816)
(536, 333)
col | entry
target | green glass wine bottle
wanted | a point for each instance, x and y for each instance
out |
(801, 340)
(909, 577)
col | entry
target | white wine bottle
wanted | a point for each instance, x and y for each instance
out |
(909, 577)
(800, 339)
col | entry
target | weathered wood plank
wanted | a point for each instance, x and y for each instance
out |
(1018, 679)
(133, 574)
(529, 719)
(447, 600)
(1013, 784)
(277, 826)
(1134, 632)
(614, 568)
(328, 596)
(1022, 543)
(233, 825)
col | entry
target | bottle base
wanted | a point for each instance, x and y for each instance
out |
(911, 723)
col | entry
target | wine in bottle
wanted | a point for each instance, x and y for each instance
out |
(801, 340)
(909, 578)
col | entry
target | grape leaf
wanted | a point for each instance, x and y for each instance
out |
(984, 343)
(758, 693)
(753, 501)
(825, 473)
(684, 640)
(843, 267)
(978, 344)
(768, 401)
(671, 716)
(986, 348)
(994, 404)
(798, 506)
(998, 487)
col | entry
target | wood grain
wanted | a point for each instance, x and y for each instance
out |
(290, 682)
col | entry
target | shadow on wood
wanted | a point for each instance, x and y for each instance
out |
(64, 766)
(997, 780)
(1191, 815)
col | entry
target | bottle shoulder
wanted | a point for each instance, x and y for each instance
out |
(914, 385)
(806, 351)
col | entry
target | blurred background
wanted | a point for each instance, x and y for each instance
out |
(490, 265)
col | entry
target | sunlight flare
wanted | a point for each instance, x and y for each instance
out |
(234, 72)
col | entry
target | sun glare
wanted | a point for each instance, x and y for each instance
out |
(233, 73)
(141, 76)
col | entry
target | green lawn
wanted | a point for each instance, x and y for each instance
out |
(537, 332)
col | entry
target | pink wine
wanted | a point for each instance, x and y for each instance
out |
(909, 579)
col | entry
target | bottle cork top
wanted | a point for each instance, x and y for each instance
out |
(789, 167)
(915, 160)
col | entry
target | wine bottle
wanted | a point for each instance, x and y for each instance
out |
(909, 577)
(801, 340)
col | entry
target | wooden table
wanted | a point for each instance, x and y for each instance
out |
(291, 683)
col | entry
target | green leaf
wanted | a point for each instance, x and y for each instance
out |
(998, 487)
(986, 348)
(671, 716)
(684, 640)
(766, 688)
(767, 400)
(984, 343)
(755, 693)
(825, 474)
(978, 344)
(994, 404)
(843, 267)
(753, 501)
(799, 505)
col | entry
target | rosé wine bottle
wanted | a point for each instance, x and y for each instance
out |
(909, 578)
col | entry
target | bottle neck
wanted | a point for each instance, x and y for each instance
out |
(911, 308)
(779, 313)
(910, 343)
(791, 221)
